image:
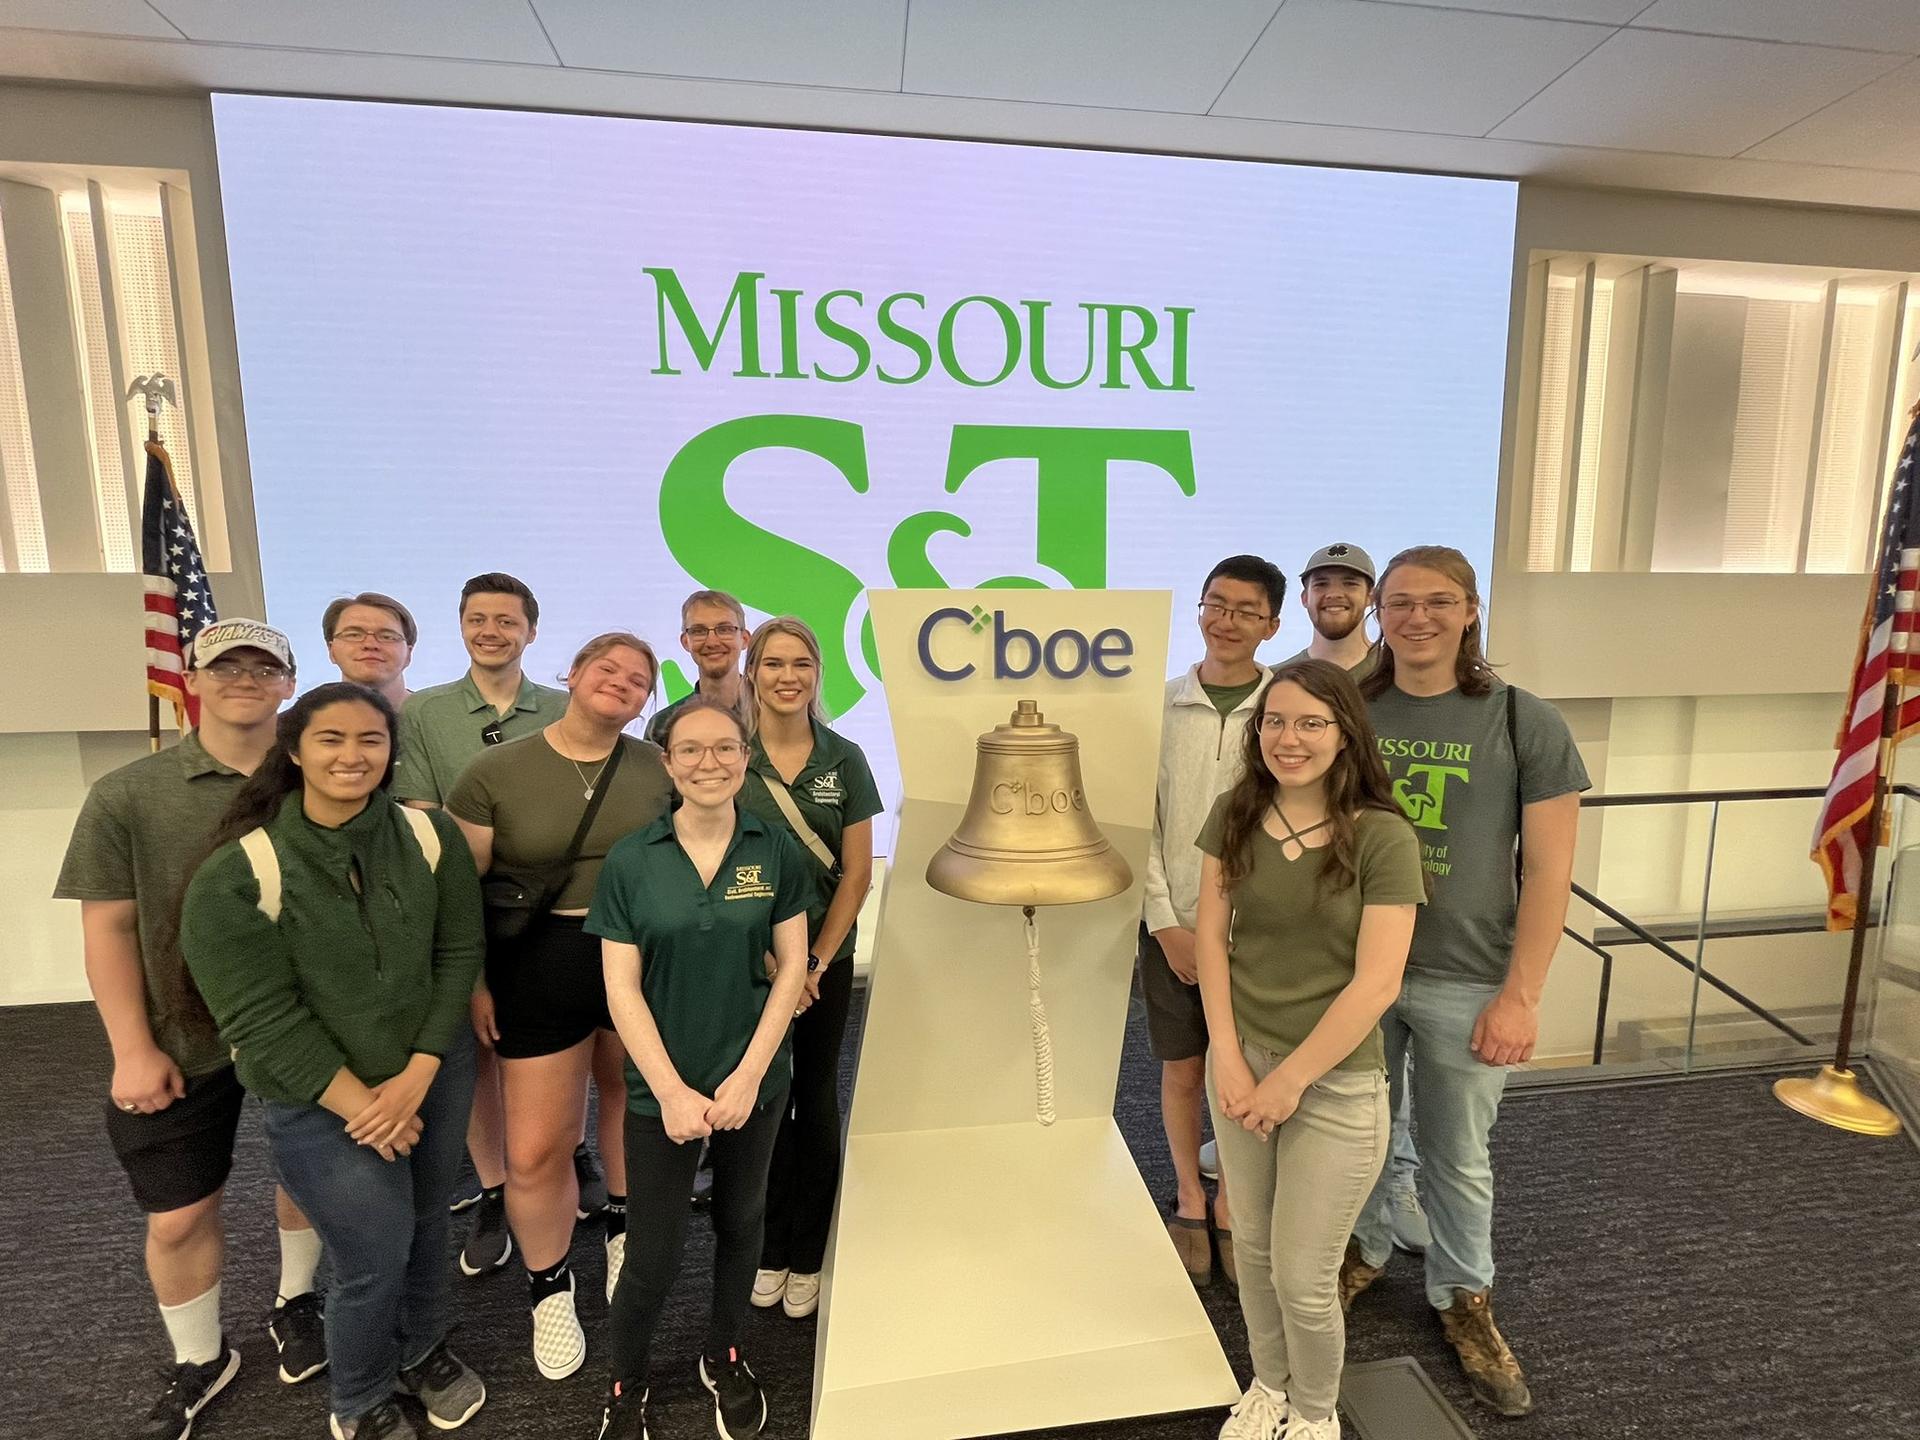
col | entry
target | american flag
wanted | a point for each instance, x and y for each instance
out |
(179, 601)
(1888, 656)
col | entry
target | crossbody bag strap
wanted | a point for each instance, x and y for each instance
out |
(1519, 793)
(803, 832)
(428, 838)
(600, 788)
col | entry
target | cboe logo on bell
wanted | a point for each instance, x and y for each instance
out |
(1020, 654)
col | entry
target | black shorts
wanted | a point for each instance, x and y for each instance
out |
(548, 990)
(180, 1155)
(1176, 1020)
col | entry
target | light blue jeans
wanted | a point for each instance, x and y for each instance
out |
(1403, 1160)
(1455, 1100)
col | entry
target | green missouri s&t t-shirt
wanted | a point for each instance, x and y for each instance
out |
(1291, 948)
(1457, 778)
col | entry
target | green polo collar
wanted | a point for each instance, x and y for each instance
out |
(476, 702)
(745, 822)
(195, 761)
(828, 751)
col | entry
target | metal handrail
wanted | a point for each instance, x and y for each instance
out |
(1697, 964)
(1689, 797)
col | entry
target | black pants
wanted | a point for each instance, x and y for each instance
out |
(806, 1158)
(659, 1185)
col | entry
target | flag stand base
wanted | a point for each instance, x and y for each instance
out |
(1834, 1097)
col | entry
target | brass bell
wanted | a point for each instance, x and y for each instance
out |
(1027, 837)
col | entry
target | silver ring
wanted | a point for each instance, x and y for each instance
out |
(128, 1106)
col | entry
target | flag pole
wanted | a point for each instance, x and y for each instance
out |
(1834, 1096)
(153, 394)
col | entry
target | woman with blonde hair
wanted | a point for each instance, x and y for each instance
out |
(540, 814)
(814, 783)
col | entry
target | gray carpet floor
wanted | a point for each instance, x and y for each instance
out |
(1681, 1261)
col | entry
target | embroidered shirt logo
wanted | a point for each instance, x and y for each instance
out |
(747, 884)
(826, 790)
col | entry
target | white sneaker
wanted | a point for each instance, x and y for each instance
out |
(1210, 1160)
(802, 1295)
(1301, 1428)
(616, 1257)
(559, 1344)
(1260, 1415)
(769, 1287)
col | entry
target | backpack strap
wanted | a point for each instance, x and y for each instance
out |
(257, 846)
(424, 832)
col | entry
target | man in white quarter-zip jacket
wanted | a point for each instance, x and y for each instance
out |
(1202, 744)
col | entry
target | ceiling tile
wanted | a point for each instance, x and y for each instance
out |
(1873, 128)
(94, 17)
(1604, 12)
(1135, 54)
(1398, 67)
(463, 29)
(854, 44)
(1692, 94)
(1869, 24)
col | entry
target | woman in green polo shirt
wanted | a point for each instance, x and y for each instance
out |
(816, 785)
(687, 910)
(1308, 886)
(335, 936)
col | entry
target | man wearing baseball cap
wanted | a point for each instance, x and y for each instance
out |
(175, 1104)
(1334, 591)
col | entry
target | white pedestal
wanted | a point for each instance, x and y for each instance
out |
(1006, 1277)
(989, 1274)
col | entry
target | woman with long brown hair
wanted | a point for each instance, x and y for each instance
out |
(1307, 896)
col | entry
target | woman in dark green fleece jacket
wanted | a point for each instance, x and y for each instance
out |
(336, 936)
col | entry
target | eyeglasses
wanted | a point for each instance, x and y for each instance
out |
(228, 671)
(719, 632)
(1438, 606)
(355, 636)
(493, 734)
(1214, 610)
(692, 752)
(1307, 727)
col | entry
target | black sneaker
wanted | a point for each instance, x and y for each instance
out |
(299, 1333)
(593, 1185)
(625, 1415)
(466, 1193)
(739, 1405)
(385, 1421)
(188, 1390)
(446, 1387)
(489, 1243)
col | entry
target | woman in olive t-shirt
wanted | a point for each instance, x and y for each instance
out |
(1307, 896)
(543, 1005)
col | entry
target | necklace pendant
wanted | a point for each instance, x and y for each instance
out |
(588, 795)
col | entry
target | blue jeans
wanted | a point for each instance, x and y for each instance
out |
(385, 1229)
(1403, 1163)
(1456, 1099)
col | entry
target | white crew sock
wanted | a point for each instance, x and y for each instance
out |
(299, 1258)
(194, 1328)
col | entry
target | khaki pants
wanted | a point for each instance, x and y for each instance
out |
(1295, 1196)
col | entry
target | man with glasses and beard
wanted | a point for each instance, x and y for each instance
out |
(713, 630)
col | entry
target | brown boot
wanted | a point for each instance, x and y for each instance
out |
(1192, 1243)
(1484, 1354)
(1355, 1274)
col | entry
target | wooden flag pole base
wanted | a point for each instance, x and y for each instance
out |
(1834, 1097)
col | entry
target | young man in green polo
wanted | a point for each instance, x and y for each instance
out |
(175, 1105)
(441, 729)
